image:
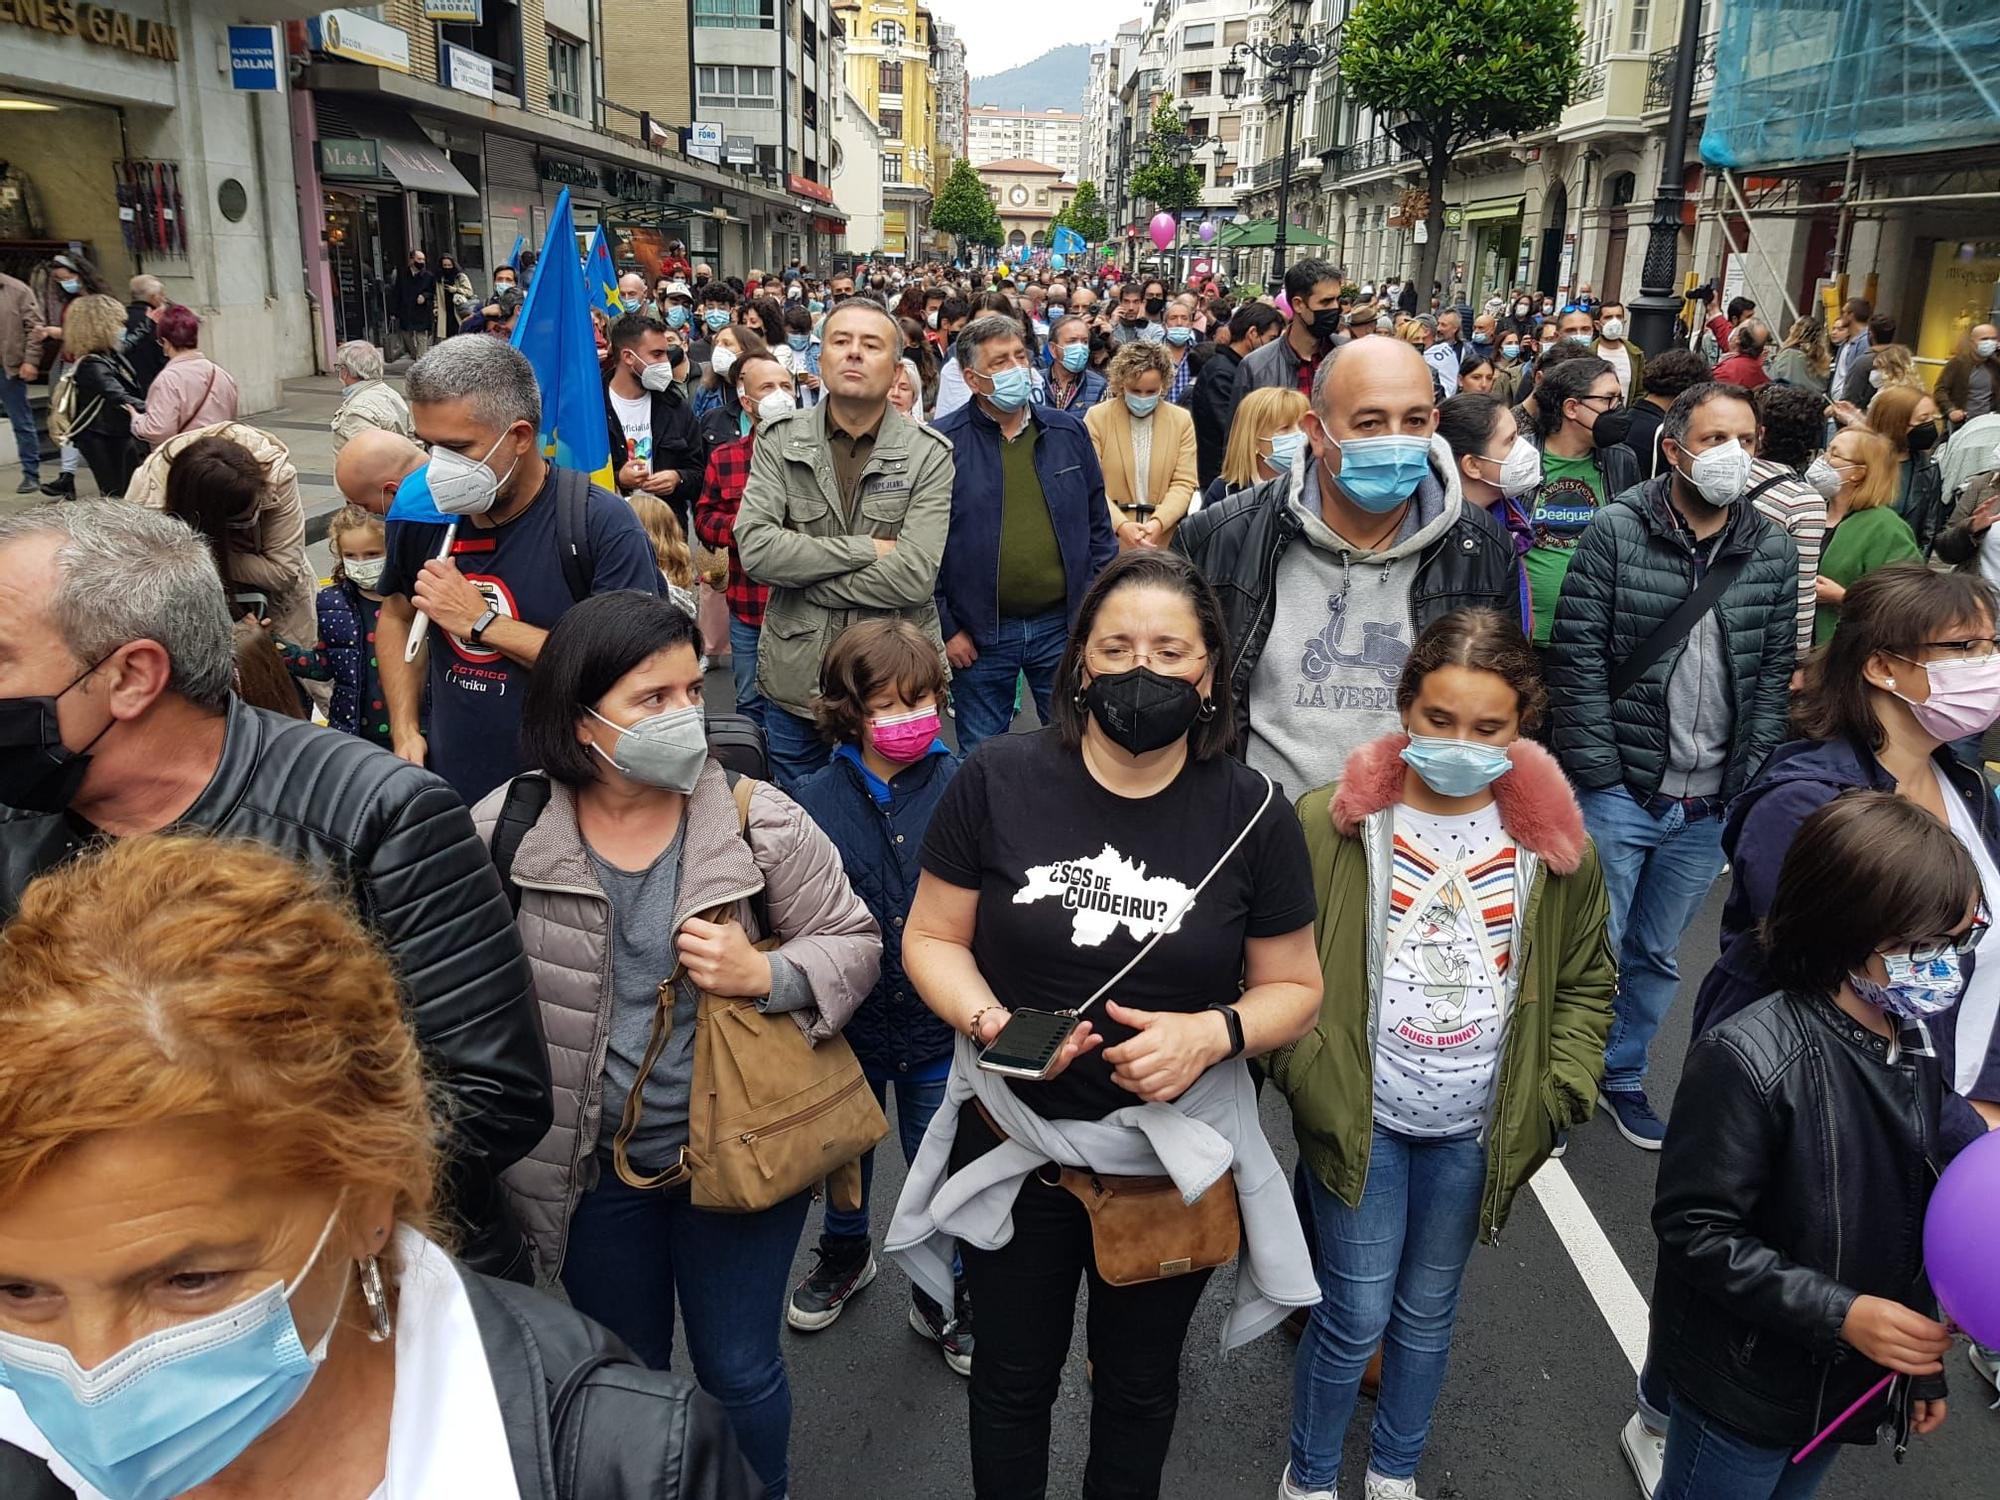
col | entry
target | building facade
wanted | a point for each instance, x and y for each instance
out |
(1026, 195)
(954, 91)
(857, 174)
(1052, 136)
(889, 60)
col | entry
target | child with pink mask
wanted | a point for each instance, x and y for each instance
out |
(881, 690)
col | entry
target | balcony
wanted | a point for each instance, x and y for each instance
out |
(1378, 151)
(1590, 85)
(1660, 74)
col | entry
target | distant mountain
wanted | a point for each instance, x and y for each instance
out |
(1058, 79)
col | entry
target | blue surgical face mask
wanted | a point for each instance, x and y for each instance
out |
(799, 341)
(1141, 406)
(1011, 388)
(1456, 768)
(1380, 473)
(717, 319)
(1481, 336)
(677, 317)
(1180, 335)
(1916, 989)
(815, 305)
(172, 1410)
(630, 304)
(1075, 357)
(1510, 351)
(1285, 450)
(70, 285)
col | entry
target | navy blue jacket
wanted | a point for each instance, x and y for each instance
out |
(1798, 780)
(1072, 483)
(894, 1031)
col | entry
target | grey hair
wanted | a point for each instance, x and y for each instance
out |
(1322, 377)
(1056, 325)
(490, 373)
(983, 330)
(126, 573)
(360, 359)
(146, 288)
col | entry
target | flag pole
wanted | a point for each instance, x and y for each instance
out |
(416, 642)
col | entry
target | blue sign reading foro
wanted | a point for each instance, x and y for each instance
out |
(254, 58)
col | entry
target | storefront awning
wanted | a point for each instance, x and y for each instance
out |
(1483, 209)
(1262, 234)
(375, 141)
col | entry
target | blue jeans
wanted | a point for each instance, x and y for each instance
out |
(1707, 1460)
(632, 1253)
(983, 694)
(743, 668)
(793, 744)
(1389, 1272)
(916, 1102)
(1657, 872)
(27, 442)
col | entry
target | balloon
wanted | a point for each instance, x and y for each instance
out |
(1058, 262)
(1207, 231)
(1162, 229)
(1961, 1234)
(1284, 304)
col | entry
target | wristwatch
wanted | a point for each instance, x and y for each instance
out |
(1229, 1014)
(477, 635)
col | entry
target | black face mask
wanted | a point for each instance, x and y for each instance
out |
(1141, 710)
(1923, 439)
(1155, 306)
(38, 772)
(1325, 323)
(1611, 428)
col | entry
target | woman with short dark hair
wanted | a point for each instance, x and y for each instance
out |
(192, 392)
(645, 880)
(1123, 864)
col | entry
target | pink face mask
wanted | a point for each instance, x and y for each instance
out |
(1965, 699)
(904, 738)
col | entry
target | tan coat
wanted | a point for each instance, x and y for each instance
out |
(565, 925)
(1172, 477)
(270, 545)
(20, 324)
(370, 403)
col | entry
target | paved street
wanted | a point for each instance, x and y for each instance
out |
(1539, 1384)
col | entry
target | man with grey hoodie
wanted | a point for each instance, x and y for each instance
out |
(1328, 574)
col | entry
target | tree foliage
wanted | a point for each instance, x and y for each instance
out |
(1160, 180)
(963, 210)
(1460, 72)
(1085, 214)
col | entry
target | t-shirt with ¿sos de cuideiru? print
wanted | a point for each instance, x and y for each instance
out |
(1073, 879)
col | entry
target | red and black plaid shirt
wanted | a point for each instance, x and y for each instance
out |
(715, 523)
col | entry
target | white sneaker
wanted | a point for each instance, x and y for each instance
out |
(1289, 1491)
(1646, 1451)
(1381, 1487)
(1986, 1364)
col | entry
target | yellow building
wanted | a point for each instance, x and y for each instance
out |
(889, 46)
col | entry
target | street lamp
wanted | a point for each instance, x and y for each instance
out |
(1657, 305)
(1288, 68)
(1177, 151)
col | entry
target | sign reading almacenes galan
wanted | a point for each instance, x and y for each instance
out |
(97, 24)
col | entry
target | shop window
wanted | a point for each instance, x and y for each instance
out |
(565, 75)
(892, 166)
(724, 86)
(740, 15)
(889, 78)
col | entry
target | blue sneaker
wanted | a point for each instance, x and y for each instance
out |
(1634, 1117)
(1561, 1147)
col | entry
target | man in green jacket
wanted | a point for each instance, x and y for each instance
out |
(844, 518)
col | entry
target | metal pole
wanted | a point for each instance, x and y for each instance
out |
(1284, 188)
(1658, 302)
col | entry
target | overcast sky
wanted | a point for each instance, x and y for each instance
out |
(1001, 36)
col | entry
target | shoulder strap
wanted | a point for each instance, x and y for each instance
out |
(1750, 495)
(579, 567)
(1678, 625)
(526, 797)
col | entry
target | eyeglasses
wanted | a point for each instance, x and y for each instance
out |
(1171, 660)
(1975, 648)
(1613, 400)
(1930, 950)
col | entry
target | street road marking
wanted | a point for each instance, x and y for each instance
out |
(1604, 1274)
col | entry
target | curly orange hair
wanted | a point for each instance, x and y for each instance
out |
(180, 977)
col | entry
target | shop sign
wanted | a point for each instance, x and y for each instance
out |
(453, 10)
(350, 158)
(349, 34)
(468, 72)
(568, 173)
(740, 150)
(97, 24)
(704, 139)
(1454, 217)
(805, 187)
(254, 59)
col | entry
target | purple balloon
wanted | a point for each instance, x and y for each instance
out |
(1162, 229)
(1207, 231)
(1962, 1240)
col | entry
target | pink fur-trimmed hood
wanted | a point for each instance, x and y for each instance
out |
(1537, 807)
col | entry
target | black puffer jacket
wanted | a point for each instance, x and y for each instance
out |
(106, 392)
(1794, 1178)
(400, 840)
(1631, 570)
(1238, 543)
(584, 1419)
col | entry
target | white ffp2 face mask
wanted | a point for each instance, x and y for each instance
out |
(1720, 473)
(462, 486)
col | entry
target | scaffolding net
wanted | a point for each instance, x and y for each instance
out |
(1801, 81)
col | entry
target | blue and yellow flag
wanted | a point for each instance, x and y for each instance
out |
(554, 331)
(513, 257)
(601, 276)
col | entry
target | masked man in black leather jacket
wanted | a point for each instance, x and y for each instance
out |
(117, 718)
(1800, 1161)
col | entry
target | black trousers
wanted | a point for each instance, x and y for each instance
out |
(113, 458)
(1024, 1300)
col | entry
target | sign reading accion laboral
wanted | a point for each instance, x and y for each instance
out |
(97, 24)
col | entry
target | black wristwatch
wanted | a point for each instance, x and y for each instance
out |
(1229, 1014)
(477, 635)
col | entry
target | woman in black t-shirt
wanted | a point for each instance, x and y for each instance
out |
(1051, 859)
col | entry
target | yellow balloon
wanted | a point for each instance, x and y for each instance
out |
(1002, 269)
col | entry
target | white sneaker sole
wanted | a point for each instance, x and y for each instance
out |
(1289, 1491)
(806, 1322)
(959, 1364)
(1644, 1453)
(1638, 1140)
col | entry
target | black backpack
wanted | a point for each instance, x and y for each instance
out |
(579, 564)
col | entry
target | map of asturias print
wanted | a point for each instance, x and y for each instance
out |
(1103, 893)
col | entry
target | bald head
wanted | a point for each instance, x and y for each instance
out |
(372, 464)
(1371, 388)
(631, 289)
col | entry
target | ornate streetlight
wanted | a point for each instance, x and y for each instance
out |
(1289, 63)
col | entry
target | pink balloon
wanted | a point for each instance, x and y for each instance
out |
(1284, 304)
(1162, 229)
(1207, 230)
